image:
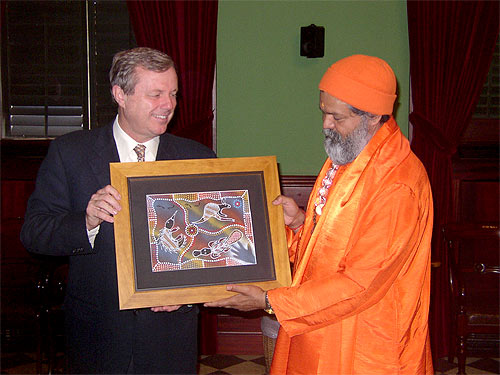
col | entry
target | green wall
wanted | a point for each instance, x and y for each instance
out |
(267, 95)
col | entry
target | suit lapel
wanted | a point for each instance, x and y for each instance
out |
(103, 152)
(166, 148)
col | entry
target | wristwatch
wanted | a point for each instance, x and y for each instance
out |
(268, 308)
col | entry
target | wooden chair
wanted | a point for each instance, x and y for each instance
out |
(473, 252)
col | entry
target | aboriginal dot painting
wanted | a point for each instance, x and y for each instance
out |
(200, 230)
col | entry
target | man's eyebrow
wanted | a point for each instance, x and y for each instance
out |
(329, 113)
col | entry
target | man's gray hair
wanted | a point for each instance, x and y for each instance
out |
(122, 72)
(365, 114)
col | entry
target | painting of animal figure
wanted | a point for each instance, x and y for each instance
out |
(200, 230)
(214, 210)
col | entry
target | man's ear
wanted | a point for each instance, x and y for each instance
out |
(375, 120)
(119, 95)
(374, 124)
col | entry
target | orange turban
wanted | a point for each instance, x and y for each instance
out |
(365, 82)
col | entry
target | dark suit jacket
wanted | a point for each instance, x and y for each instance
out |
(76, 166)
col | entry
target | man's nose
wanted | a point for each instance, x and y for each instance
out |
(169, 102)
(328, 122)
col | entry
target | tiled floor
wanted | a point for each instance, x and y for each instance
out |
(473, 366)
(24, 363)
(232, 364)
(253, 365)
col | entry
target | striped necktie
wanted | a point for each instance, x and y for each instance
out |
(140, 150)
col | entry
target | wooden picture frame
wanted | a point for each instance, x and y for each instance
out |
(187, 228)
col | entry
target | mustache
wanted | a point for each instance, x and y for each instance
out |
(333, 136)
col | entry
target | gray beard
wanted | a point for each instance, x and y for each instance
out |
(344, 150)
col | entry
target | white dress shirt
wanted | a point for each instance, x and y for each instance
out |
(125, 145)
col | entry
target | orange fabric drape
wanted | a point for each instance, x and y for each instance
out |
(451, 46)
(358, 303)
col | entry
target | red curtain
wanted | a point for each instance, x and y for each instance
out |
(2, 12)
(451, 46)
(187, 31)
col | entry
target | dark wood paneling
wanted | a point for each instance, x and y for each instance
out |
(472, 237)
(476, 190)
(241, 324)
(298, 187)
(19, 269)
(15, 194)
(247, 344)
(479, 201)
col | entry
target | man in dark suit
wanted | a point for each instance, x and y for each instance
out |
(71, 214)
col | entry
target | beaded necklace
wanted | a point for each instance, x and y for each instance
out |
(320, 201)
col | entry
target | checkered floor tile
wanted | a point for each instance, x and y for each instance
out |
(24, 363)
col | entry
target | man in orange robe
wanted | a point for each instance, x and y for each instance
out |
(359, 299)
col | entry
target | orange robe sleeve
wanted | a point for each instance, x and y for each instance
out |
(385, 237)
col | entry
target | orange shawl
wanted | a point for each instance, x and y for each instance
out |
(359, 298)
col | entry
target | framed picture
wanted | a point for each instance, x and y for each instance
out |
(188, 228)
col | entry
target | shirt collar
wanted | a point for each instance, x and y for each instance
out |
(125, 145)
